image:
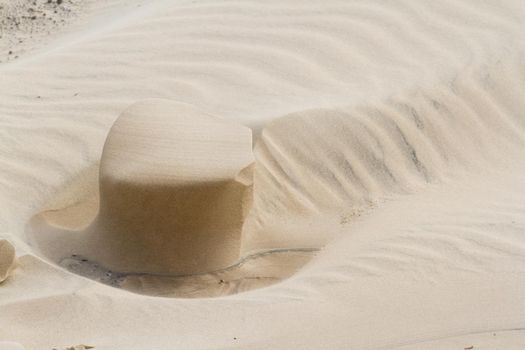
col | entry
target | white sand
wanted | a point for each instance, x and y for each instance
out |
(388, 135)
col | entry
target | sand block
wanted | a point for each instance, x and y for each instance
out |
(170, 200)
(7, 259)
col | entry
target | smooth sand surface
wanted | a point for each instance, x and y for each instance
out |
(385, 195)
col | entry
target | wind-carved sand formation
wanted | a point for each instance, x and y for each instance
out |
(171, 193)
(175, 188)
(174, 191)
(173, 205)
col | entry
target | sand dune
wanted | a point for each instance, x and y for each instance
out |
(386, 210)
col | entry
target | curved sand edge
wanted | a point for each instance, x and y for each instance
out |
(7, 259)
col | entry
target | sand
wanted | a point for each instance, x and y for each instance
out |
(379, 204)
(7, 259)
(170, 198)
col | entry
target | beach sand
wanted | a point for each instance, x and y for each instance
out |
(262, 175)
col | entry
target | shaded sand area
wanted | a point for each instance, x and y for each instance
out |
(367, 158)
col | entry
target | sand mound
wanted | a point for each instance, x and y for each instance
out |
(175, 187)
(169, 198)
(7, 259)
(172, 196)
